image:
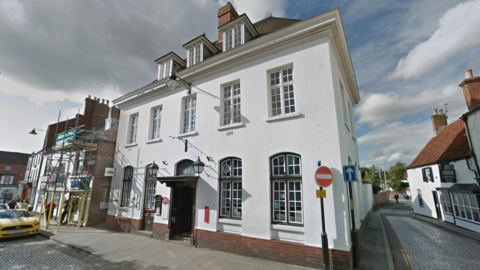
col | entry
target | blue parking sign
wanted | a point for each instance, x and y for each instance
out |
(349, 173)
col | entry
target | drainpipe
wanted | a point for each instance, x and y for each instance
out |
(465, 120)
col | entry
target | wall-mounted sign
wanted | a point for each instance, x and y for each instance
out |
(165, 200)
(109, 172)
(447, 173)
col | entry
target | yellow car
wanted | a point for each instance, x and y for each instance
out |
(18, 222)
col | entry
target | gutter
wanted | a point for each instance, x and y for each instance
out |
(465, 120)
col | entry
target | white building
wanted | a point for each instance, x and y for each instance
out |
(444, 176)
(268, 102)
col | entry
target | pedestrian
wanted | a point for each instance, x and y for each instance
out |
(18, 198)
(47, 208)
(396, 197)
(65, 212)
(13, 204)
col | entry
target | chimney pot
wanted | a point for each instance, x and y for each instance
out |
(434, 111)
(441, 111)
(103, 100)
(108, 102)
(468, 74)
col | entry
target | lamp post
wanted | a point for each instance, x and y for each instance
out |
(174, 81)
(198, 166)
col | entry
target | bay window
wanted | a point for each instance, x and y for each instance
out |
(466, 206)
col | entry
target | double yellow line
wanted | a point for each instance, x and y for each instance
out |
(406, 257)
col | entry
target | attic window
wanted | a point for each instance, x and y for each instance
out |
(233, 37)
(195, 55)
(164, 70)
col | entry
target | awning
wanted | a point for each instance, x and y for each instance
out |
(179, 181)
(462, 188)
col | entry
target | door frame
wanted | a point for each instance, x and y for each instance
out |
(436, 201)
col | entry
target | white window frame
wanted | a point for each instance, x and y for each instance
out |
(7, 179)
(133, 128)
(126, 186)
(9, 167)
(280, 106)
(427, 177)
(233, 108)
(291, 183)
(195, 54)
(231, 32)
(189, 112)
(165, 69)
(470, 207)
(446, 203)
(155, 122)
(231, 188)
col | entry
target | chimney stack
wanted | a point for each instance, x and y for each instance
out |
(225, 14)
(471, 89)
(439, 121)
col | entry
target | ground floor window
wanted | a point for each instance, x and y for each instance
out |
(231, 199)
(466, 206)
(446, 203)
(104, 198)
(287, 209)
(126, 191)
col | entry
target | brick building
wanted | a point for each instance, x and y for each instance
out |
(13, 167)
(75, 155)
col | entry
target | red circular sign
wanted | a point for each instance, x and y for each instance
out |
(165, 200)
(323, 176)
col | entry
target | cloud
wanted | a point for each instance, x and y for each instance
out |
(457, 31)
(379, 108)
(394, 142)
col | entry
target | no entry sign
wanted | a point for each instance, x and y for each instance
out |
(165, 200)
(323, 176)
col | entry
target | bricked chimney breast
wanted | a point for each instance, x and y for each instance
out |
(439, 121)
(225, 14)
(471, 89)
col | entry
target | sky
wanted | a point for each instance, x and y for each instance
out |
(408, 56)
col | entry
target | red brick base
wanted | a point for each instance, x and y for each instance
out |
(275, 250)
(122, 224)
(160, 230)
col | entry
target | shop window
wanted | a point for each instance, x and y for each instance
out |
(446, 203)
(466, 206)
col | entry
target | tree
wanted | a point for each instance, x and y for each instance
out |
(371, 175)
(396, 175)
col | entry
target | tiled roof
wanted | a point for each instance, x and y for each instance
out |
(13, 158)
(450, 144)
(272, 24)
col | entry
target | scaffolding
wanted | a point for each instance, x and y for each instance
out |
(72, 147)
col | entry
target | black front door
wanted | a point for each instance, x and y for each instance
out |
(182, 210)
(437, 204)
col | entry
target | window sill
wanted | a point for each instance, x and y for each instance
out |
(131, 145)
(191, 133)
(154, 141)
(230, 221)
(236, 125)
(287, 228)
(283, 116)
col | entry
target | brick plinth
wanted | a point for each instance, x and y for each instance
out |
(122, 224)
(275, 250)
(159, 230)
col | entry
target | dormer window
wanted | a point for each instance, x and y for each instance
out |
(164, 69)
(199, 49)
(233, 37)
(195, 55)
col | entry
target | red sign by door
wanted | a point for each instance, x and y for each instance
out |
(165, 200)
(323, 176)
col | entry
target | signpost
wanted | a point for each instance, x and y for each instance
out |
(323, 178)
(350, 175)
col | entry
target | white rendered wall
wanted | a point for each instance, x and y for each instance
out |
(415, 179)
(474, 138)
(314, 135)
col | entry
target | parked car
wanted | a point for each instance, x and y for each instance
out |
(3, 206)
(18, 222)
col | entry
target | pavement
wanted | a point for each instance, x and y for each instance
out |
(130, 251)
(395, 238)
